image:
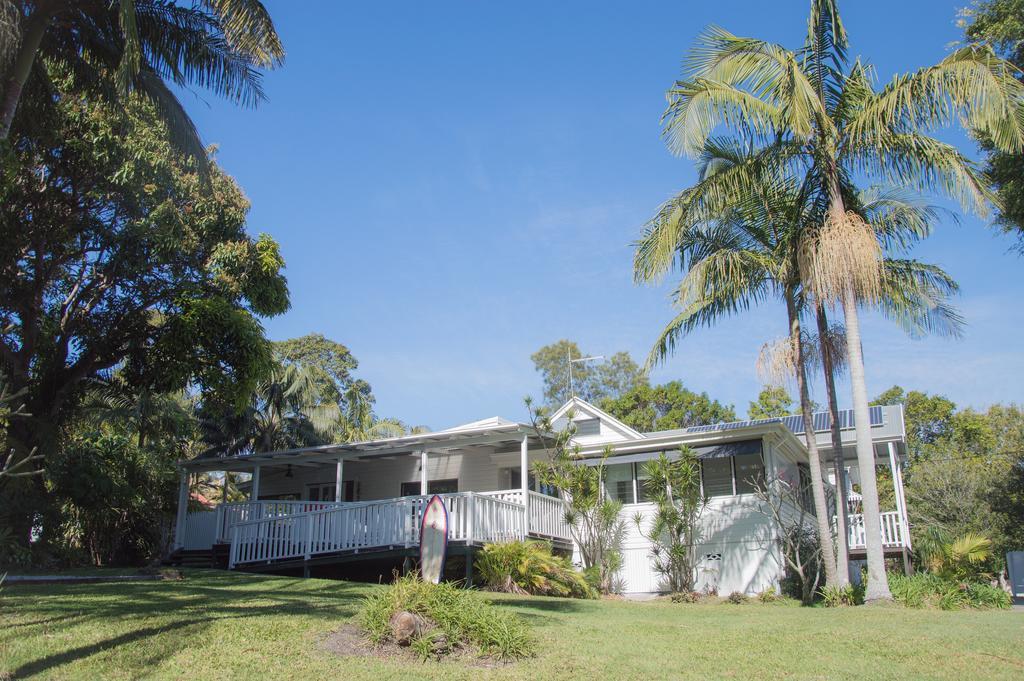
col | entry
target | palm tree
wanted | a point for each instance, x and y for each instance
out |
(359, 423)
(826, 111)
(914, 295)
(285, 412)
(142, 45)
(736, 234)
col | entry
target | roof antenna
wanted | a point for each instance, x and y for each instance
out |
(570, 361)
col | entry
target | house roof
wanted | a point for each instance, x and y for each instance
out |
(492, 431)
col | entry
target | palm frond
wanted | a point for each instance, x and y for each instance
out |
(916, 296)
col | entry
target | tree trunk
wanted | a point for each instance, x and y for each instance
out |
(838, 464)
(14, 83)
(814, 460)
(878, 583)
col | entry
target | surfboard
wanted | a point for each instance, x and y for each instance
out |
(433, 540)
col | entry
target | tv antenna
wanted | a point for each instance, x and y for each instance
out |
(570, 361)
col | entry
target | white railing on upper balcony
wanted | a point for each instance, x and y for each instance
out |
(894, 531)
(390, 523)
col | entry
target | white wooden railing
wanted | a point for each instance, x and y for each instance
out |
(200, 530)
(232, 514)
(894, 532)
(547, 517)
(373, 524)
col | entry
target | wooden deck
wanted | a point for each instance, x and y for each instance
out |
(284, 534)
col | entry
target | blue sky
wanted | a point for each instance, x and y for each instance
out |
(455, 184)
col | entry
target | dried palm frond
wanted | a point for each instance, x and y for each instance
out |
(777, 362)
(843, 254)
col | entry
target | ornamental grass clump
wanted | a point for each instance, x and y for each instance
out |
(926, 590)
(529, 567)
(435, 620)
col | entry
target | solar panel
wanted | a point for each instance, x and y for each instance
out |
(796, 422)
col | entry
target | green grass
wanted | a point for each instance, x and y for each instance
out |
(217, 625)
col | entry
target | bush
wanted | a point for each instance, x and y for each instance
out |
(836, 596)
(463, 619)
(769, 595)
(529, 567)
(737, 598)
(926, 590)
(686, 597)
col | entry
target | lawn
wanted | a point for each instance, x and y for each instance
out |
(222, 625)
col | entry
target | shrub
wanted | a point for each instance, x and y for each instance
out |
(737, 598)
(529, 567)
(463, 619)
(685, 597)
(769, 595)
(926, 590)
(837, 596)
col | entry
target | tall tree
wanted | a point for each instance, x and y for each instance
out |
(329, 363)
(144, 46)
(825, 112)
(116, 253)
(664, 407)
(772, 402)
(1000, 23)
(591, 381)
(736, 236)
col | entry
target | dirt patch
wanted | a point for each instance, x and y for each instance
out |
(349, 641)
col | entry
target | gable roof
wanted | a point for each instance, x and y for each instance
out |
(579, 406)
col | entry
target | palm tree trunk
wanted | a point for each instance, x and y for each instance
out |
(814, 460)
(878, 583)
(14, 83)
(842, 549)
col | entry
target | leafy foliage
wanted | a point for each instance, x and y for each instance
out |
(116, 252)
(463, 617)
(329, 363)
(959, 559)
(529, 567)
(932, 591)
(1000, 24)
(592, 381)
(785, 503)
(664, 407)
(772, 402)
(142, 47)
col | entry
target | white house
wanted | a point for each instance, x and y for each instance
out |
(354, 508)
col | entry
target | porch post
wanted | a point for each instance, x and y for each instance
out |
(901, 500)
(254, 490)
(338, 474)
(423, 472)
(179, 525)
(524, 481)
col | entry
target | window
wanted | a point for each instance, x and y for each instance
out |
(412, 489)
(618, 482)
(717, 476)
(806, 497)
(643, 486)
(320, 493)
(587, 427)
(749, 473)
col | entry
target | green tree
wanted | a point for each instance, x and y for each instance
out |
(329, 363)
(663, 407)
(928, 418)
(1000, 23)
(116, 253)
(825, 114)
(140, 46)
(286, 411)
(772, 402)
(591, 381)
